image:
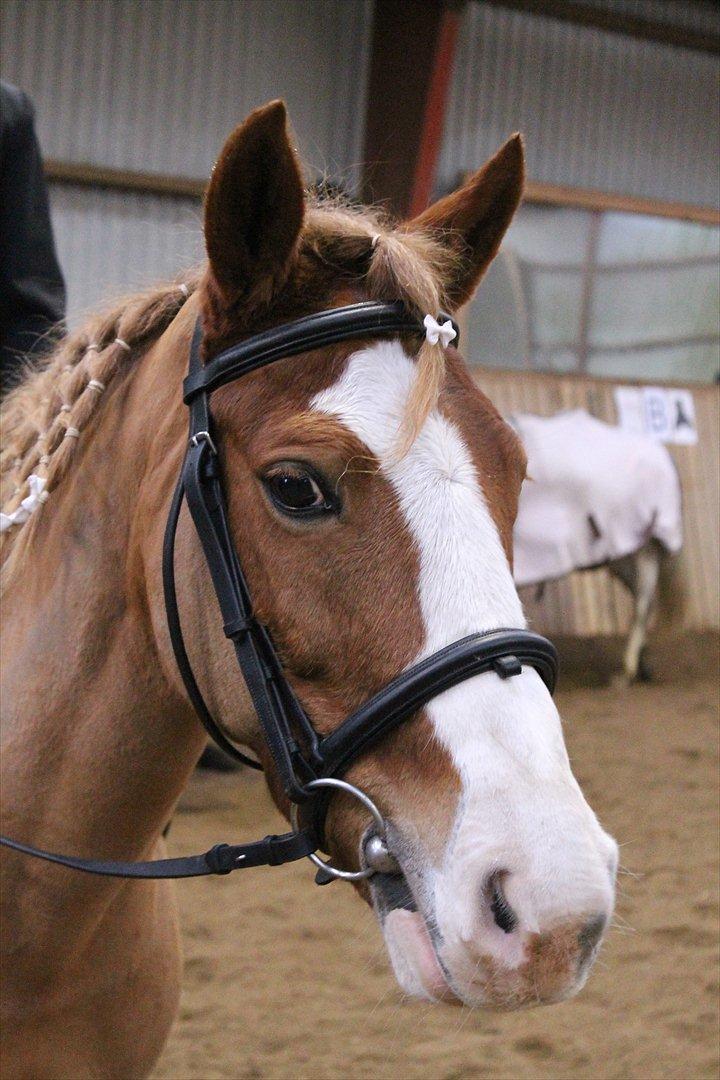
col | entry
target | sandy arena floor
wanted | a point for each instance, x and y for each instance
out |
(284, 980)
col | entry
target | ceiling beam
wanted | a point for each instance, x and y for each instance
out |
(616, 22)
(87, 174)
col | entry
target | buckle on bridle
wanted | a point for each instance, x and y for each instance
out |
(245, 624)
(203, 436)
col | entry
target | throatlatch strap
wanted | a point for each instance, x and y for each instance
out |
(201, 416)
(178, 643)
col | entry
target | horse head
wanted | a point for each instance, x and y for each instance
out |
(372, 490)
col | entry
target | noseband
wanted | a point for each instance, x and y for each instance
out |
(309, 766)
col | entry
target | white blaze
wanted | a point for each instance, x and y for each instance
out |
(504, 737)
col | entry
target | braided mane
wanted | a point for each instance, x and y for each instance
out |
(43, 418)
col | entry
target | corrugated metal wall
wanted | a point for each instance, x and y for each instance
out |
(598, 110)
(592, 603)
(156, 86)
(112, 243)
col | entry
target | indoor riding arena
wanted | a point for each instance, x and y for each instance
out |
(375, 616)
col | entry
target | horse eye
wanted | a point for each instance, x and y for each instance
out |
(296, 491)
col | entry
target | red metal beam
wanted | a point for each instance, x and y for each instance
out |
(410, 68)
(434, 115)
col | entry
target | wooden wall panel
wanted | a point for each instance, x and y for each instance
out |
(593, 603)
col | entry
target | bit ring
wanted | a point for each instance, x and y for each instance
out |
(350, 789)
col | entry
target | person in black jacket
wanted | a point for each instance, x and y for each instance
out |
(32, 290)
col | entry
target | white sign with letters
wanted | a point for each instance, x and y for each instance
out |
(662, 413)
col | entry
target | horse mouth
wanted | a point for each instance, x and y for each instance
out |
(410, 940)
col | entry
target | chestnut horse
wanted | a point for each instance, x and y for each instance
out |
(412, 478)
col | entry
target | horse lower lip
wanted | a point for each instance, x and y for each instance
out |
(412, 935)
(400, 917)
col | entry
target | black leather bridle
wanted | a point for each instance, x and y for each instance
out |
(304, 761)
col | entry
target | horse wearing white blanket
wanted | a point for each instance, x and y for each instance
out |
(597, 496)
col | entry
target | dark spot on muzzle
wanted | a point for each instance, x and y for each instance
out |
(394, 892)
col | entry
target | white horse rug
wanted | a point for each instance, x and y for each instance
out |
(594, 492)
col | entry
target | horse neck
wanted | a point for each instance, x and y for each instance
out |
(99, 743)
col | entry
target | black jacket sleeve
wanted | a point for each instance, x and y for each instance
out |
(32, 290)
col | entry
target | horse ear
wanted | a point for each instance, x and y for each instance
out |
(254, 207)
(474, 218)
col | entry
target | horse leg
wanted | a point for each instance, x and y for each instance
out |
(647, 573)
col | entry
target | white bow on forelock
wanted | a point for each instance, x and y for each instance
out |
(31, 502)
(435, 331)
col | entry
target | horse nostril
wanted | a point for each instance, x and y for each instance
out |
(503, 914)
(590, 935)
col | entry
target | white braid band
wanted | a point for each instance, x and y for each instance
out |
(438, 332)
(95, 384)
(71, 433)
(29, 504)
(65, 408)
(123, 344)
(184, 289)
(92, 347)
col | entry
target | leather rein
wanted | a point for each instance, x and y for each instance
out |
(310, 767)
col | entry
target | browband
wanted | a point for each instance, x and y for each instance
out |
(365, 319)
